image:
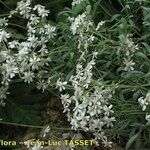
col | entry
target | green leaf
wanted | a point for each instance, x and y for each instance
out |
(79, 8)
(146, 46)
(88, 8)
(123, 28)
(115, 17)
(134, 74)
(136, 95)
(138, 143)
(131, 140)
(124, 124)
(144, 57)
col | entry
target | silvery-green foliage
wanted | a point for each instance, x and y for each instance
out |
(99, 64)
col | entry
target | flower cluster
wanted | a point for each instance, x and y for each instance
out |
(127, 48)
(144, 102)
(60, 84)
(25, 59)
(88, 108)
(80, 26)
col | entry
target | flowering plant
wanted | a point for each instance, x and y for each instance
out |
(99, 65)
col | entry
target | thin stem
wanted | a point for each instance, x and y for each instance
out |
(5, 5)
(103, 8)
(16, 25)
(4, 15)
(32, 126)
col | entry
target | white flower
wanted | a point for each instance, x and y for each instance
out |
(99, 25)
(4, 55)
(34, 62)
(10, 68)
(91, 38)
(12, 13)
(3, 22)
(144, 102)
(147, 117)
(65, 99)
(41, 85)
(21, 54)
(96, 124)
(76, 2)
(74, 124)
(84, 122)
(43, 49)
(42, 30)
(28, 76)
(24, 49)
(43, 13)
(60, 85)
(13, 44)
(41, 10)
(50, 31)
(95, 53)
(24, 8)
(42, 41)
(128, 49)
(34, 20)
(5, 80)
(107, 143)
(33, 41)
(47, 129)
(11, 71)
(108, 110)
(128, 64)
(31, 30)
(148, 97)
(109, 121)
(4, 35)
